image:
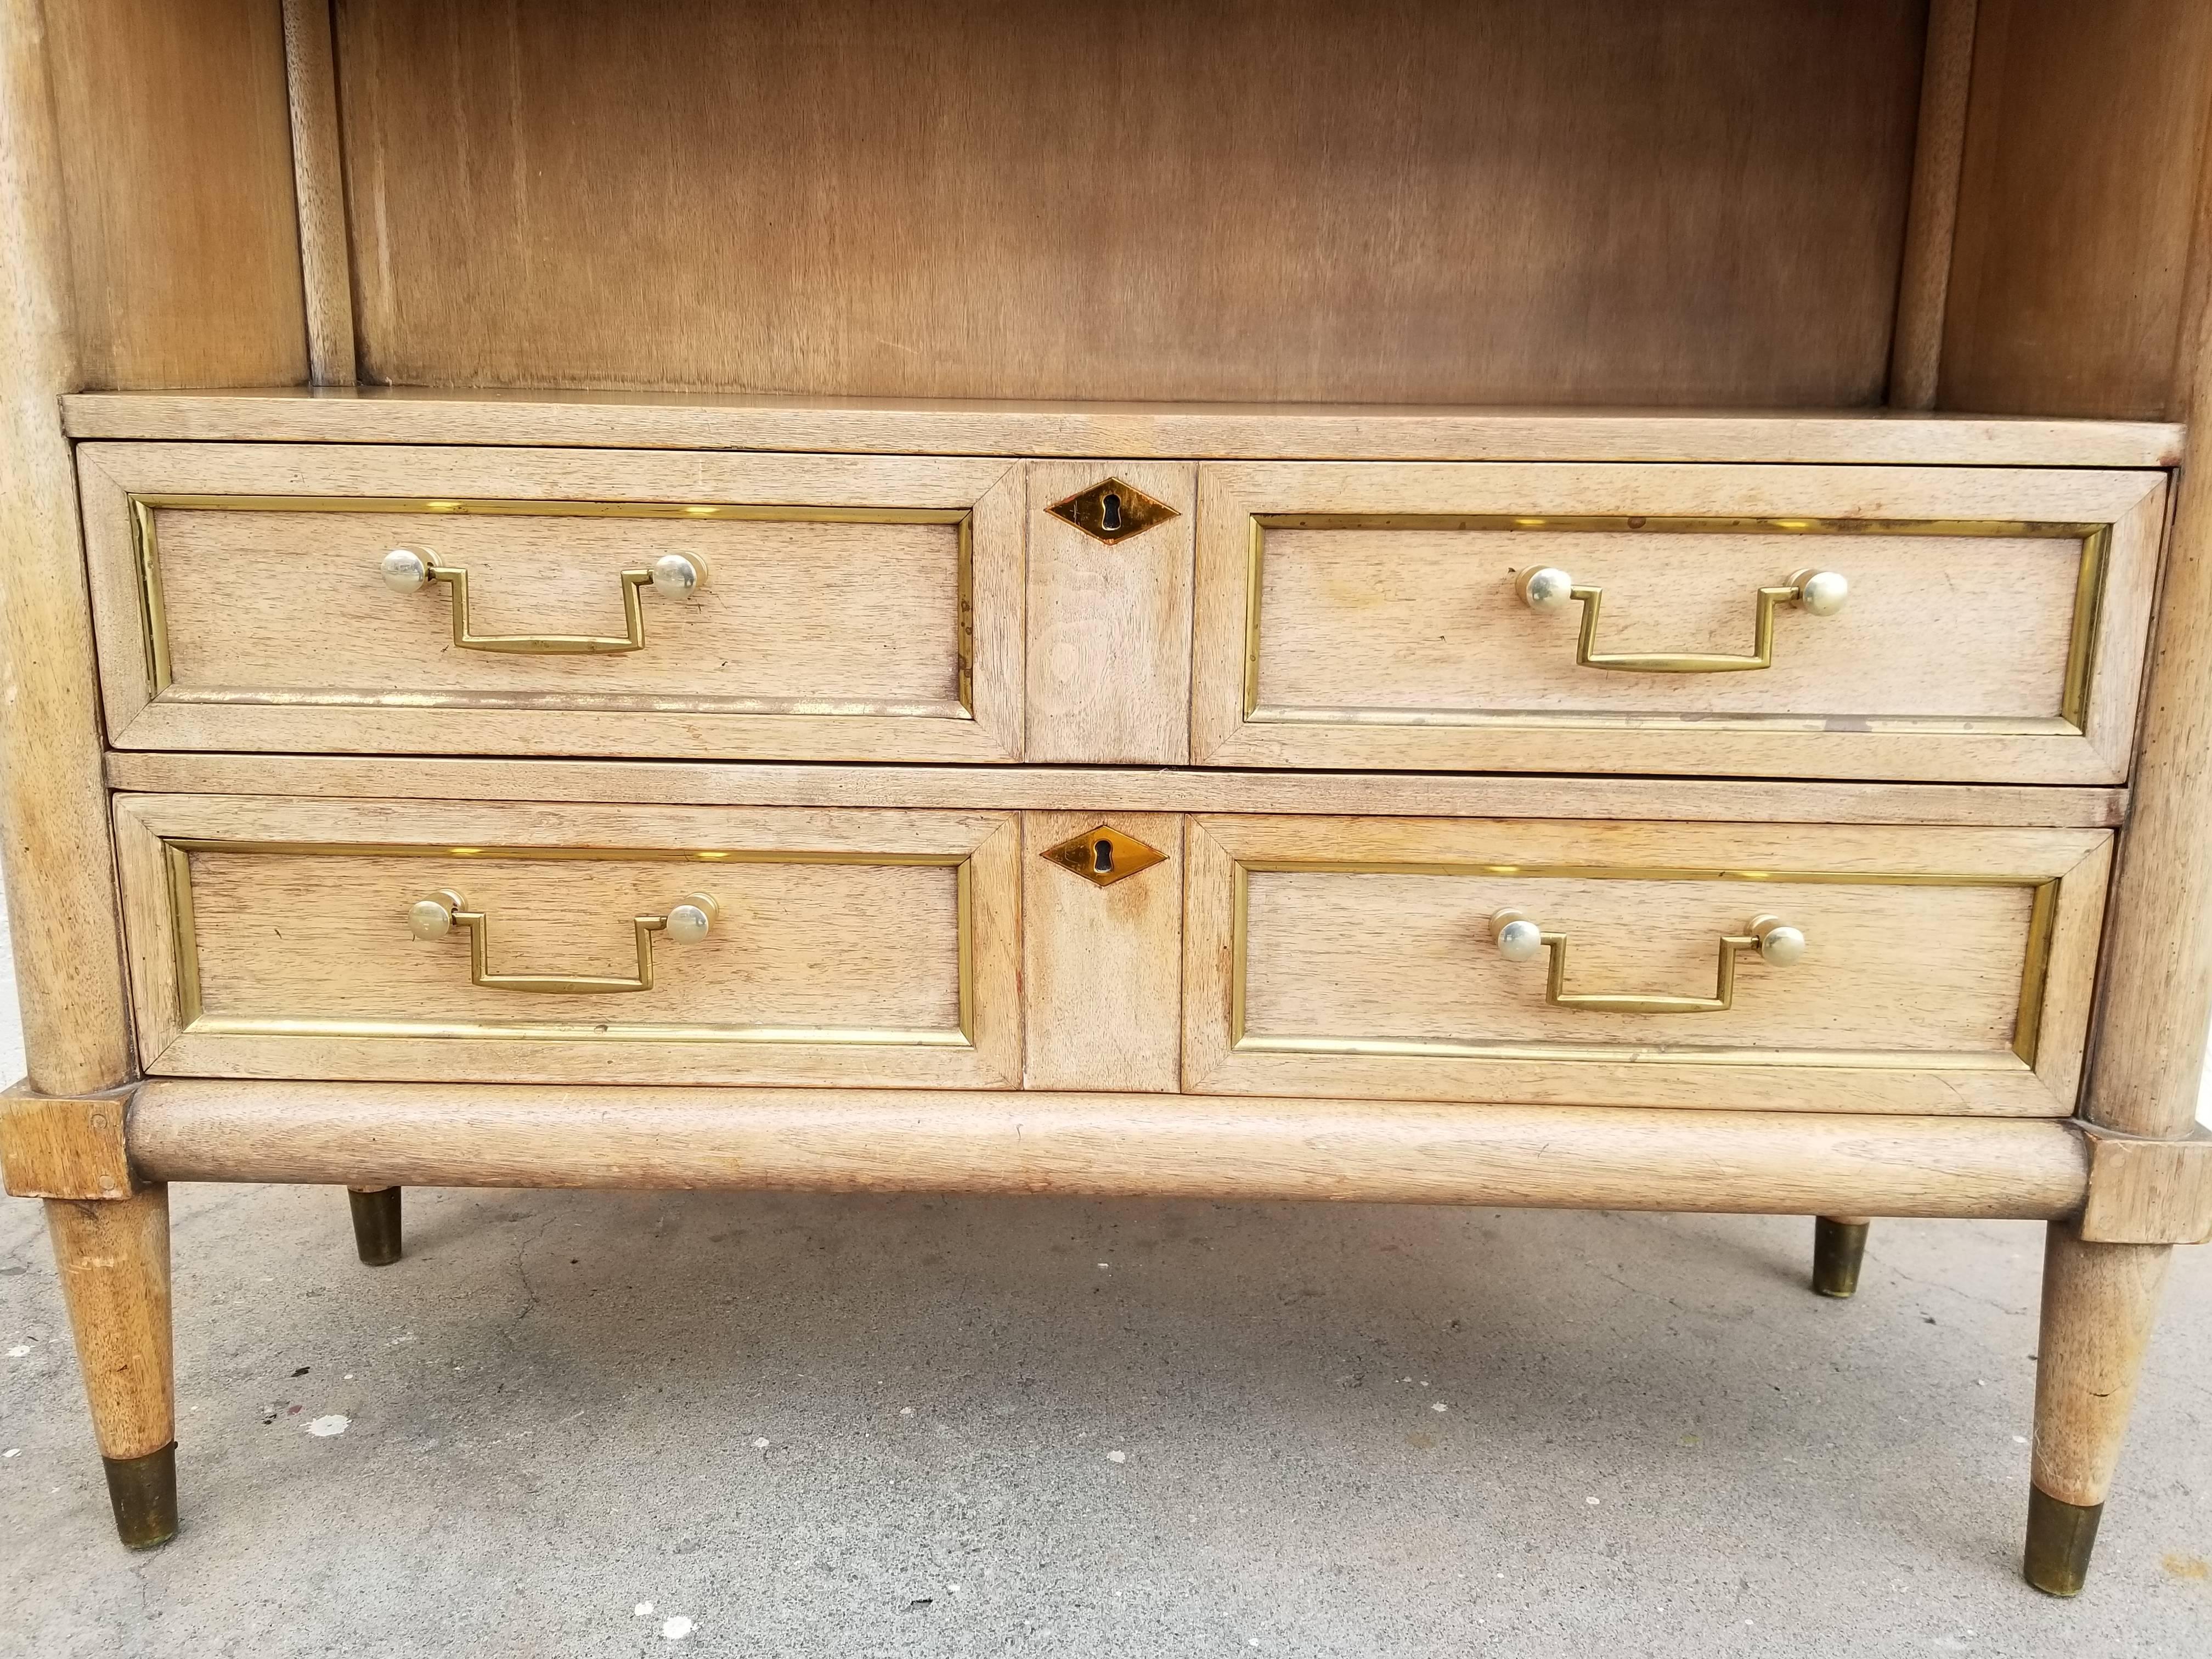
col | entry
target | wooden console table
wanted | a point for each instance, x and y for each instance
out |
(999, 598)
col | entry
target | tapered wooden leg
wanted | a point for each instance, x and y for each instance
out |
(2099, 1302)
(113, 1256)
(375, 1223)
(1838, 1250)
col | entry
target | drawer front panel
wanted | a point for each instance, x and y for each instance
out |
(848, 608)
(1944, 969)
(1371, 616)
(273, 938)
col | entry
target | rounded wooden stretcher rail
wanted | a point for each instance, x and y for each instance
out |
(1097, 1145)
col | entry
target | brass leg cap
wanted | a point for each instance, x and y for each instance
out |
(1839, 1251)
(143, 1491)
(2060, 1536)
(375, 1223)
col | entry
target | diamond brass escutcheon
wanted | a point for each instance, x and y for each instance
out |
(1112, 511)
(1102, 855)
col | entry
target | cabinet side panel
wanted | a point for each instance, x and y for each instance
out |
(176, 158)
(2085, 131)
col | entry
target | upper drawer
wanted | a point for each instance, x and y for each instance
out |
(851, 608)
(1369, 615)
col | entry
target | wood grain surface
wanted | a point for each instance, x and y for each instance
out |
(1405, 644)
(1109, 622)
(809, 640)
(965, 198)
(175, 160)
(837, 955)
(1103, 1145)
(1101, 967)
(1368, 966)
(2145, 1191)
(64, 1147)
(318, 185)
(1310, 431)
(2099, 1302)
(53, 812)
(1915, 351)
(2157, 992)
(112, 1259)
(2085, 137)
(1128, 789)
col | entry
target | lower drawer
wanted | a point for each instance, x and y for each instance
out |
(483, 942)
(1941, 970)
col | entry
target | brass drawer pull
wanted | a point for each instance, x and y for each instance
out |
(1519, 939)
(673, 576)
(686, 922)
(1820, 592)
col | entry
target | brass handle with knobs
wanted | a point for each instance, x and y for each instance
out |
(672, 576)
(1546, 587)
(687, 922)
(1520, 939)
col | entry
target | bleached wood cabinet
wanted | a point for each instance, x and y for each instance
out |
(1075, 651)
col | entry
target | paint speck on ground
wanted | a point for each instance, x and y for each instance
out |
(324, 1427)
(2019, 1440)
(19, 1351)
(2180, 1565)
(1594, 1502)
(643, 1609)
(906, 1411)
(676, 1629)
(1117, 1457)
(1102, 1264)
(1440, 1406)
(11, 1451)
(759, 1443)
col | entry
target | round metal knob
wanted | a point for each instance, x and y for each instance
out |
(689, 922)
(1821, 591)
(432, 917)
(1545, 588)
(1519, 939)
(675, 577)
(406, 569)
(1779, 943)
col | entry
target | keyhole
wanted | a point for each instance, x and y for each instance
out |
(1102, 850)
(1109, 518)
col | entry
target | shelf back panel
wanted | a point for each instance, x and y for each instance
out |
(1583, 201)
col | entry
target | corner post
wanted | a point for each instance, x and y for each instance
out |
(111, 1247)
(2100, 1298)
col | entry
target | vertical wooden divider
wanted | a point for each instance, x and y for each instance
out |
(325, 268)
(1101, 967)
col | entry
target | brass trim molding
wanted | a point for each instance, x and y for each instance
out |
(2096, 540)
(193, 1020)
(154, 615)
(2028, 1022)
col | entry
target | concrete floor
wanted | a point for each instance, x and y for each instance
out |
(586, 1424)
